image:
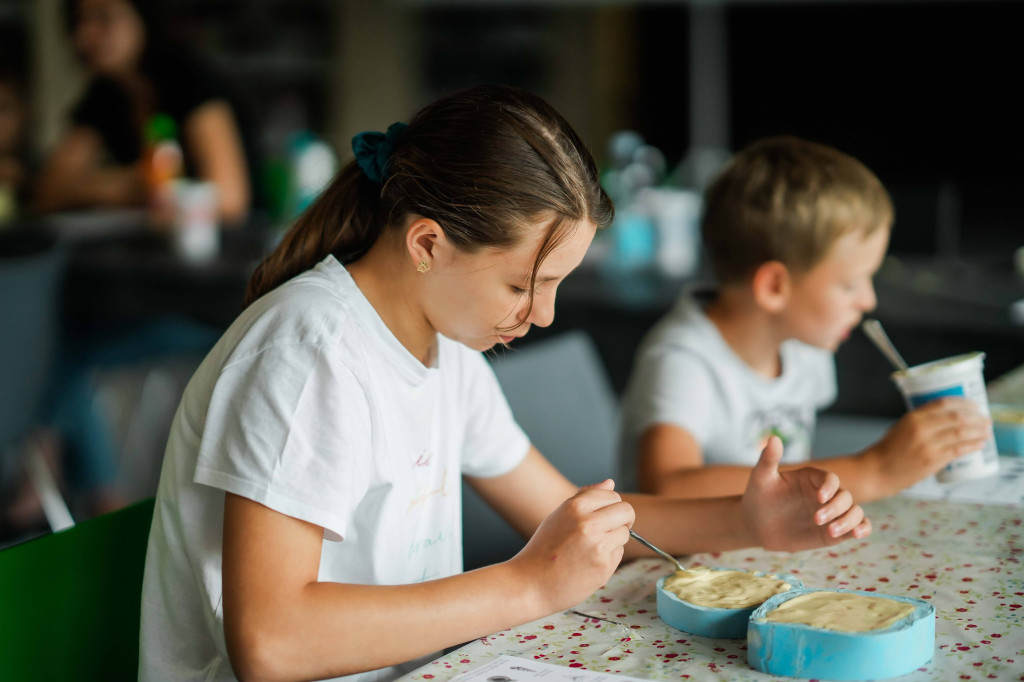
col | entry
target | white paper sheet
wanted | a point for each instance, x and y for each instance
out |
(512, 669)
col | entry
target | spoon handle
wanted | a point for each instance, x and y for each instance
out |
(873, 328)
(663, 554)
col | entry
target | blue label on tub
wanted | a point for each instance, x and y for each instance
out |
(922, 398)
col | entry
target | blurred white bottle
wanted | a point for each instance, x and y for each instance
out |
(196, 232)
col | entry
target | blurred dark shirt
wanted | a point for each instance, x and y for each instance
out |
(182, 83)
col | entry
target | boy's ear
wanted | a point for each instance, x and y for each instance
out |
(772, 284)
(425, 241)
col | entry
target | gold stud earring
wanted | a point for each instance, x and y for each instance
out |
(423, 266)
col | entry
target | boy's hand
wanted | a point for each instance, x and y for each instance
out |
(927, 439)
(799, 508)
(577, 547)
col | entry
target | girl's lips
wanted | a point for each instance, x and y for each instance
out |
(508, 339)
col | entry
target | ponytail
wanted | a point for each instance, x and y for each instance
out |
(343, 221)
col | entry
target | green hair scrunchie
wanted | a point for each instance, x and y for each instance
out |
(373, 149)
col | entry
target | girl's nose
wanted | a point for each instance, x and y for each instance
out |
(543, 312)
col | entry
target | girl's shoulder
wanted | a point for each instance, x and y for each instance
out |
(309, 310)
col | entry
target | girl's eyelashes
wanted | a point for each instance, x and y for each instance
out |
(523, 291)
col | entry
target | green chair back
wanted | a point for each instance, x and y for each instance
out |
(70, 601)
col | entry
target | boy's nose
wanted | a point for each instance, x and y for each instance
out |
(869, 300)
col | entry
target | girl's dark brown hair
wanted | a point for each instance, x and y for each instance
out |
(484, 163)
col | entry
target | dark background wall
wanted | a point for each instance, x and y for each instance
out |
(925, 93)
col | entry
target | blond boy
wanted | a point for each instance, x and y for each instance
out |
(795, 231)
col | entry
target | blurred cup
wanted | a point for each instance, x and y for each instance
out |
(676, 215)
(961, 376)
(196, 233)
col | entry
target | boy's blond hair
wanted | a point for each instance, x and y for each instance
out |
(786, 199)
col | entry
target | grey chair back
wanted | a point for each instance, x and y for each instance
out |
(31, 269)
(560, 394)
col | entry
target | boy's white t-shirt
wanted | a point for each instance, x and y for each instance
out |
(309, 405)
(687, 375)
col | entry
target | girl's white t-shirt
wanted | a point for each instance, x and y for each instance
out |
(309, 405)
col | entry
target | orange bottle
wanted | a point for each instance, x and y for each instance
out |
(164, 163)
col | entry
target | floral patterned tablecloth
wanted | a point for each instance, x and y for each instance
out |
(965, 558)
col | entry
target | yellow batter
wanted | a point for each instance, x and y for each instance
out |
(841, 611)
(724, 589)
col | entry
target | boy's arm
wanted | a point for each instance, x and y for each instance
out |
(920, 444)
(671, 463)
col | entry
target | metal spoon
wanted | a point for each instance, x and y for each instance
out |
(663, 553)
(873, 328)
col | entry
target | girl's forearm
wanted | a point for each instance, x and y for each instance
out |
(702, 482)
(333, 629)
(688, 526)
(860, 474)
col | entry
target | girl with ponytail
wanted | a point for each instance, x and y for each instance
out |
(308, 509)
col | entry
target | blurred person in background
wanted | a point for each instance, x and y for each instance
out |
(137, 76)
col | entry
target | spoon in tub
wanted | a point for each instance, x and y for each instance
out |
(874, 331)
